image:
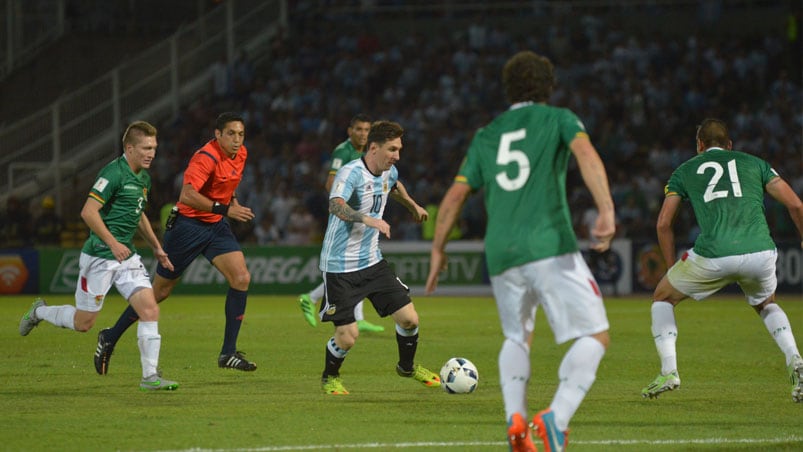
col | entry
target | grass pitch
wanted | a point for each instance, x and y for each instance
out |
(735, 394)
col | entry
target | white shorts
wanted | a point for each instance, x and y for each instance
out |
(699, 277)
(566, 289)
(96, 276)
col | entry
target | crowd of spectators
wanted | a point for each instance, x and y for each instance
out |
(640, 96)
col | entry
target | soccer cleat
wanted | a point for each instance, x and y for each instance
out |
(155, 383)
(422, 374)
(29, 320)
(364, 325)
(662, 383)
(796, 377)
(518, 435)
(544, 425)
(103, 352)
(333, 385)
(236, 361)
(307, 305)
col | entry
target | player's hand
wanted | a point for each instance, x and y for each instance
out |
(120, 251)
(437, 263)
(420, 214)
(240, 213)
(603, 232)
(161, 256)
(377, 223)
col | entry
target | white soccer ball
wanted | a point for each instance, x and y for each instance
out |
(459, 376)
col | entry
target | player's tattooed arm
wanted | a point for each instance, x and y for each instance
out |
(339, 208)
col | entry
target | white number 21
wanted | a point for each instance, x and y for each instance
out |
(710, 194)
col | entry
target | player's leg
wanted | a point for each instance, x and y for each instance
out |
(94, 281)
(233, 267)
(339, 293)
(692, 276)
(573, 306)
(307, 303)
(759, 282)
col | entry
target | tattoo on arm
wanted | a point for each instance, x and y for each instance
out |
(339, 208)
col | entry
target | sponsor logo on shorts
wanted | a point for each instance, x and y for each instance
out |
(98, 299)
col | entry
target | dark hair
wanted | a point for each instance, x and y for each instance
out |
(528, 76)
(359, 117)
(225, 118)
(137, 130)
(713, 132)
(384, 131)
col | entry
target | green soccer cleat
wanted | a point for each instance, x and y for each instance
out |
(307, 306)
(29, 320)
(156, 383)
(366, 326)
(333, 385)
(662, 383)
(422, 374)
(796, 377)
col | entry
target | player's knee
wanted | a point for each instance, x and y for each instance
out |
(603, 338)
(240, 280)
(83, 325)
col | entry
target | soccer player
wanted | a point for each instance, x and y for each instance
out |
(201, 227)
(726, 191)
(352, 263)
(113, 211)
(520, 160)
(349, 150)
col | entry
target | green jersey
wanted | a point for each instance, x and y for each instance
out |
(123, 195)
(520, 159)
(343, 153)
(726, 191)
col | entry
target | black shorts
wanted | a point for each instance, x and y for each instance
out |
(378, 283)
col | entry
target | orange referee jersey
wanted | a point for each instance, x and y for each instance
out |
(214, 174)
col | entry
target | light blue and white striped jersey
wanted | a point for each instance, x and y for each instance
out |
(348, 247)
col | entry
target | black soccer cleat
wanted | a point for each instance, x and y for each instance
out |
(236, 361)
(103, 353)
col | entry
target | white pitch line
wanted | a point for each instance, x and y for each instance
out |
(600, 442)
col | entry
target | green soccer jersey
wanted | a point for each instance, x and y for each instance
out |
(343, 153)
(726, 191)
(123, 195)
(520, 159)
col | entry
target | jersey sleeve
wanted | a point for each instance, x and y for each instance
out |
(343, 185)
(199, 170)
(768, 173)
(340, 156)
(571, 127)
(674, 187)
(470, 170)
(106, 185)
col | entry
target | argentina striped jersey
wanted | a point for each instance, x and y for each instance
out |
(348, 246)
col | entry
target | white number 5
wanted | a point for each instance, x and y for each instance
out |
(506, 155)
(710, 194)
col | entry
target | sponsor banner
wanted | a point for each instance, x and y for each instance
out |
(19, 271)
(293, 270)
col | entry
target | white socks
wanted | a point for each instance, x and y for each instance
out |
(149, 342)
(514, 373)
(62, 316)
(777, 324)
(665, 334)
(577, 373)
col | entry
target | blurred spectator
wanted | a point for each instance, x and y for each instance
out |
(17, 224)
(47, 226)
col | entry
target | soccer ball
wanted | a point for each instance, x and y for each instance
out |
(459, 376)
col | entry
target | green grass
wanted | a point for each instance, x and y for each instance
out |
(735, 394)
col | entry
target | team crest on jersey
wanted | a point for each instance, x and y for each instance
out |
(331, 309)
(145, 193)
(385, 187)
